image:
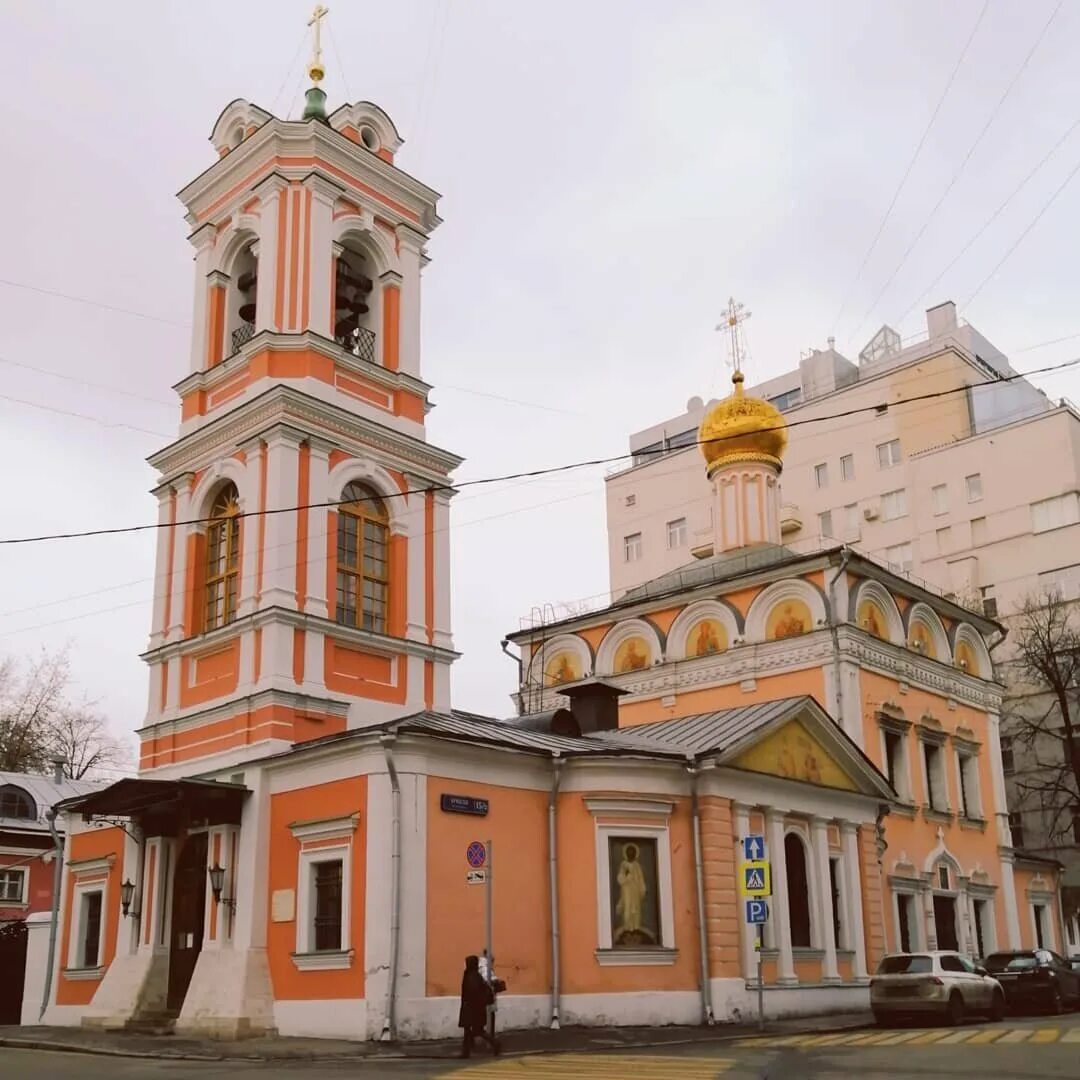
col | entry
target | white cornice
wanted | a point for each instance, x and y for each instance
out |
(353, 433)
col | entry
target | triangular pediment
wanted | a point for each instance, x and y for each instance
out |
(792, 753)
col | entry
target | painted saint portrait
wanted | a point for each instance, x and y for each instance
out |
(563, 667)
(872, 619)
(965, 657)
(788, 619)
(635, 913)
(705, 638)
(632, 655)
(921, 640)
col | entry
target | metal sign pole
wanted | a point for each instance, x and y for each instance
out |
(488, 930)
(760, 978)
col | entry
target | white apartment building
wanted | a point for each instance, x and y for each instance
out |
(920, 455)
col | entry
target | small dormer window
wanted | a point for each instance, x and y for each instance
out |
(16, 803)
(236, 136)
(369, 137)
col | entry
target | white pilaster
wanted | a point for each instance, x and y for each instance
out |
(317, 602)
(748, 933)
(1000, 809)
(320, 247)
(252, 864)
(410, 247)
(849, 840)
(1008, 894)
(441, 546)
(180, 533)
(282, 484)
(819, 843)
(416, 628)
(161, 565)
(203, 241)
(250, 527)
(270, 195)
(774, 822)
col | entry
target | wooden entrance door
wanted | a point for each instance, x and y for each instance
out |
(13, 966)
(188, 917)
(945, 922)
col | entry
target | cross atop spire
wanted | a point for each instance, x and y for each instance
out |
(315, 68)
(734, 316)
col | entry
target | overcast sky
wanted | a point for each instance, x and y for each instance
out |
(611, 172)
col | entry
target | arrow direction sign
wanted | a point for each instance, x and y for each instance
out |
(755, 879)
(757, 911)
(753, 848)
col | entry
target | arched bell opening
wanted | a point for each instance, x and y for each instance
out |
(240, 305)
(354, 304)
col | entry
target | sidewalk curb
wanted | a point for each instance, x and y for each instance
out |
(401, 1055)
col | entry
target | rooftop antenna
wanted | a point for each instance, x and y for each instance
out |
(734, 317)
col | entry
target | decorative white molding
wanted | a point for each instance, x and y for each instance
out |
(604, 805)
(776, 593)
(621, 632)
(636, 957)
(330, 960)
(92, 866)
(926, 616)
(328, 829)
(882, 598)
(84, 974)
(562, 643)
(690, 616)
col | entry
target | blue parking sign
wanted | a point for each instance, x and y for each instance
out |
(757, 911)
(753, 848)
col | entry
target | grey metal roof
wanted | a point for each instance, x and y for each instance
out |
(46, 793)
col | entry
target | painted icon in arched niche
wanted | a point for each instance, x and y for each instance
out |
(788, 619)
(632, 655)
(705, 638)
(921, 640)
(563, 667)
(871, 618)
(965, 657)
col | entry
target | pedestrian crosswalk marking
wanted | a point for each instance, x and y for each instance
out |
(595, 1066)
(976, 1036)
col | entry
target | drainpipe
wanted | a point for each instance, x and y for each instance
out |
(699, 875)
(58, 845)
(553, 882)
(835, 632)
(395, 888)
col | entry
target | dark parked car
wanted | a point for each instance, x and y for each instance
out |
(1036, 978)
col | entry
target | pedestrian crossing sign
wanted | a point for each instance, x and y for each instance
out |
(755, 879)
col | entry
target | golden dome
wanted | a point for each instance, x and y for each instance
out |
(741, 428)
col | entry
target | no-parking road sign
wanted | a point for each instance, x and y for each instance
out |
(476, 854)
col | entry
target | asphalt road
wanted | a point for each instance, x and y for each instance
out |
(1017, 1049)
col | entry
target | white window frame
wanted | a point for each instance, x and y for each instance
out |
(847, 467)
(903, 773)
(334, 838)
(1049, 942)
(899, 496)
(840, 903)
(905, 566)
(973, 491)
(917, 930)
(632, 543)
(969, 759)
(80, 891)
(679, 532)
(825, 524)
(942, 770)
(943, 535)
(979, 524)
(605, 814)
(890, 461)
(852, 521)
(24, 876)
(821, 475)
(940, 505)
(1069, 504)
(989, 930)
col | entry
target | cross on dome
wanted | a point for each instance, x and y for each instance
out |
(315, 68)
(735, 314)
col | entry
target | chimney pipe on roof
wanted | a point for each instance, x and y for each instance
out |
(58, 770)
(595, 704)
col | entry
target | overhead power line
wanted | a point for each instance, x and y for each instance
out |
(911, 164)
(881, 408)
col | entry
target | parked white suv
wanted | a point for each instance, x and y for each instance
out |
(937, 982)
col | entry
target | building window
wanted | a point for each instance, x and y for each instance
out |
(788, 399)
(1039, 912)
(989, 601)
(847, 467)
(1016, 828)
(222, 558)
(888, 454)
(894, 505)
(363, 559)
(973, 486)
(978, 531)
(821, 475)
(676, 533)
(835, 878)
(851, 521)
(943, 878)
(1056, 512)
(631, 547)
(899, 557)
(798, 891)
(90, 936)
(944, 539)
(328, 896)
(631, 500)
(825, 524)
(939, 494)
(905, 918)
(984, 927)
(12, 885)
(1008, 764)
(968, 768)
(934, 765)
(16, 803)
(896, 762)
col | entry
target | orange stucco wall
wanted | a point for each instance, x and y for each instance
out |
(210, 675)
(517, 827)
(91, 845)
(323, 801)
(721, 907)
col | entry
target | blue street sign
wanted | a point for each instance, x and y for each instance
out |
(753, 848)
(757, 911)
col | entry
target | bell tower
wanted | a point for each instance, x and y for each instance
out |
(303, 571)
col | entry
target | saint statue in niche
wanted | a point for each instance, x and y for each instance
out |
(634, 922)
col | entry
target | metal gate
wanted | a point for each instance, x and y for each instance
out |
(13, 965)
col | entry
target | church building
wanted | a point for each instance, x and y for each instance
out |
(315, 832)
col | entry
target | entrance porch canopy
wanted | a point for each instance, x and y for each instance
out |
(163, 803)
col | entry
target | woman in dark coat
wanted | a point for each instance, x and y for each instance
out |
(476, 996)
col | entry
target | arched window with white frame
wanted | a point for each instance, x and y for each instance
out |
(363, 559)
